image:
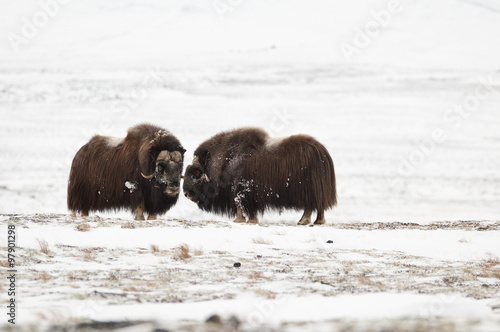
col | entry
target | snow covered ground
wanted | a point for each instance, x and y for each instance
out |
(404, 94)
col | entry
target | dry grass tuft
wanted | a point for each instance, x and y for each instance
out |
(255, 275)
(88, 255)
(155, 248)
(182, 252)
(114, 275)
(45, 276)
(44, 247)
(259, 240)
(491, 260)
(4, 263)
(490, 267)
(129, 225)
(71, 276)
(266, 293)
(83, 227)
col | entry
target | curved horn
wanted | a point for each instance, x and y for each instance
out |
(148, 176)
(196, 161)
(207, 178)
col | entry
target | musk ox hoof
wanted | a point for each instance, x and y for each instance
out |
(137, 218)
(319, 222)
(240, 220)
(152, 217)
(304, 221)
(253, 221)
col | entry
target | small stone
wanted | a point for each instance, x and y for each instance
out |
(214, 319)
(329, 241)
(237, 264)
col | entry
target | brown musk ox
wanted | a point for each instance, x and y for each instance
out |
(244, 172)
(140, 172)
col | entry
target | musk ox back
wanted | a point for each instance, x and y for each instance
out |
(295, 172)
(141, 172)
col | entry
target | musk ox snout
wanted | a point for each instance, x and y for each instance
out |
(196, 183)
(169, 173)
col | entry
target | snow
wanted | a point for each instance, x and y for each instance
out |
(114, 141)
(405, 95)
(132, 186)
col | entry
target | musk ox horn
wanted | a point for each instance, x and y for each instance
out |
(176, 156)
(196, 161)
(148, 176)
(207, 178)
(164, 155)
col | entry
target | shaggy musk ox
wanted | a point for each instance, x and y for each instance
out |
(244, 172)
(141, 172)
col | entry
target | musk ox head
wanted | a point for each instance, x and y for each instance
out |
(197, 184)
(168, 172)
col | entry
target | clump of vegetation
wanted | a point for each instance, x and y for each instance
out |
(44, 247)
(259, 240)
(182, 252)
(83, 227)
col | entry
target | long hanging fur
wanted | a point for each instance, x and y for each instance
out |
(249, 170)
(296, 172)
(106, 172)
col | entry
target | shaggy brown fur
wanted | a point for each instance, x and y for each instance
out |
(220, 158)
(106, 173)
(296, 172)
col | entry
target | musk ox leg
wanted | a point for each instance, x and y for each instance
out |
(320, 219)
(240, 218)
(306, 217)
(139, 213)
(152, 217)
(252, 218)
(85, 213)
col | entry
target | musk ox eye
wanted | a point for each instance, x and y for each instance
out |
(160, 168)
(196, 174)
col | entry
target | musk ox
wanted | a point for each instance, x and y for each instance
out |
(244, 172)
(140, 172)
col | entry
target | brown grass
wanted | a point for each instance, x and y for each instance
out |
(128, 224)
(259, 240)
(44, 247)
(491, 260)
(71, 276)
(155, 248)
(88, 255)
(490, 267)
(114, 275)
(45, 276)
(182, 252)
(83, 227)
(4, 263)
(255, 275)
